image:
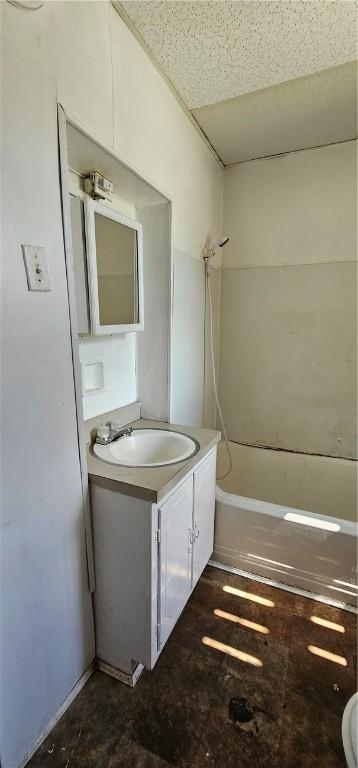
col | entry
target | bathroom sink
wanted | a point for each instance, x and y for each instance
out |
(148, 448)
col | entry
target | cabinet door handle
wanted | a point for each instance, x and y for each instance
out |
(196, 531)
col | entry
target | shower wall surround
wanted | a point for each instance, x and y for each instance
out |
(288, 302)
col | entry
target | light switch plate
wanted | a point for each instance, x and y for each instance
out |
(35, 259)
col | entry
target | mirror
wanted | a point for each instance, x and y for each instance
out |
(115, 270)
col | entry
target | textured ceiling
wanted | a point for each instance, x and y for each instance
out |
(213, 51)
(306, 112)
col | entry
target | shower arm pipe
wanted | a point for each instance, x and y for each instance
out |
(206, 257)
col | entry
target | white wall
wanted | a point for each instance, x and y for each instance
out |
(139, 118)
(153, 363)
(152, 132)
(210, 409)
(296, 209)
(118, 357)
(320, 484)
(46, 613)
(168, 151)
(65, 51)
(288, 302)
(187, 382)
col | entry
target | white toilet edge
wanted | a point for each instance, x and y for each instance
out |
(349, 731)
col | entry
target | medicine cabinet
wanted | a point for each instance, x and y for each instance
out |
(114, 246)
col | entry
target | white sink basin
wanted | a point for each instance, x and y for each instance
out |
(147, 448)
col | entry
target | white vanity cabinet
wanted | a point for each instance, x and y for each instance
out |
(204, 512)
(175, 557)
(148, 558)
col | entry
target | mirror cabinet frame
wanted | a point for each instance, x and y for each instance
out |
(91, 207)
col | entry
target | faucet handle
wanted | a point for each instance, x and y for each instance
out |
(103, 431)
(113, 426)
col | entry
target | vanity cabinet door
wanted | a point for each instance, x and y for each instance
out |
(175, 557)
(204, 511)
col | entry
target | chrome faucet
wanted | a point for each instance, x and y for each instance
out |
(109, 432)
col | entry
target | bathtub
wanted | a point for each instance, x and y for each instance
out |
(300, 545)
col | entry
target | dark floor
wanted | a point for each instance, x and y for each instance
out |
(178, 715)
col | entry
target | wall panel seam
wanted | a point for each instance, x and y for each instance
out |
(285, 266)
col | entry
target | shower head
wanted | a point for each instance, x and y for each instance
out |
(208, 251)
(222, 242)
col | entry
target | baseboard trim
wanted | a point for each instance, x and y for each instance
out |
(123, 677)
(68, 700)
(286, 587)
